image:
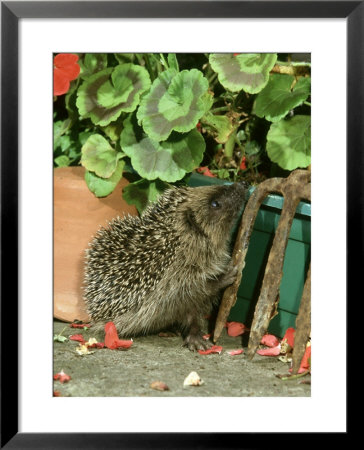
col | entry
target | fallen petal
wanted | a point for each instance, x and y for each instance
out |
(83, 350)
(274, 351)
(235, 352)
(206, 337)
(289, 336)
(193, 379)
(269, 340)
(305, 365)
(235, 328)
(112, 340)
(213, 349)
(159, 386)
(80, 325)
(77, 337)
(62, 377)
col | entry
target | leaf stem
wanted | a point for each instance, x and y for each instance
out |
(307, 103)
(230, 144)
(163, 61)
(149, 66)
(221, 108)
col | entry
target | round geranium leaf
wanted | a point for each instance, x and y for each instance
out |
(247, 71)
(289, 142)
(175, 102)
(280, 96)
(98, 156)
(102, 187)
(106, 94)
(143, 192)
(169, 160)
(220, 126)
(92, 63)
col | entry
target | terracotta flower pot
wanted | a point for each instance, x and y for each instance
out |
(78, 214)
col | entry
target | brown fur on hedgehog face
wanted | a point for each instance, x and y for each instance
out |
(212, 211)
(165, 267)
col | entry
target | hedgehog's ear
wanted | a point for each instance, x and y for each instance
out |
(192, 223)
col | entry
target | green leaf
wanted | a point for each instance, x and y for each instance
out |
(102, 187)
(278, 98)
(289, 142)
(113, 130)
(169, 160)
(143, 192)
(99, 157)
(176, 101)
(106, 94)
(248, 71)
(92, 63)
(220, 126)
(123, 58)
(172, 61)
(252, 148)
(62, 161)
(59, 129)
(59, 338)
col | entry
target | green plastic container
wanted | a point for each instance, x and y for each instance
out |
(296, 262)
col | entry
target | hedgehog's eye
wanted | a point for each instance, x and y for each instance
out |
(215, 204)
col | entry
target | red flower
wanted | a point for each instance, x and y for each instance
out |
(205, 171)
(243, 163)
(65, 69)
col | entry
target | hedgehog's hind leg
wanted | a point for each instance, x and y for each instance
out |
(191, 332)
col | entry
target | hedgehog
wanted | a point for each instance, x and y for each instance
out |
(166, 268)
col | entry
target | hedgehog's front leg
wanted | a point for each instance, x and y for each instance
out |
(192, 335)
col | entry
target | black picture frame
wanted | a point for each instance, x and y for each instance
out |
(11, 13)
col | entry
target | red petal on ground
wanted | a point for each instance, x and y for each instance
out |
(80, 325)
(159, 386)
(269, 340)
(112, 340)
(96, 345)
(275, 351)
(77, 337)
(62, 377)
(213, 349)
(289, 335)
(56, 394)
(305, 362)
(235, 328)
(306, 359)
(206, 336)
(236, 352)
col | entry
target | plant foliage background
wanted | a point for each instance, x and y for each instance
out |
(158, 117)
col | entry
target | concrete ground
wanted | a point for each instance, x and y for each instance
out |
(124, 373)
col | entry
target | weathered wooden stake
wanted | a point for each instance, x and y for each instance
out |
(294, 188)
